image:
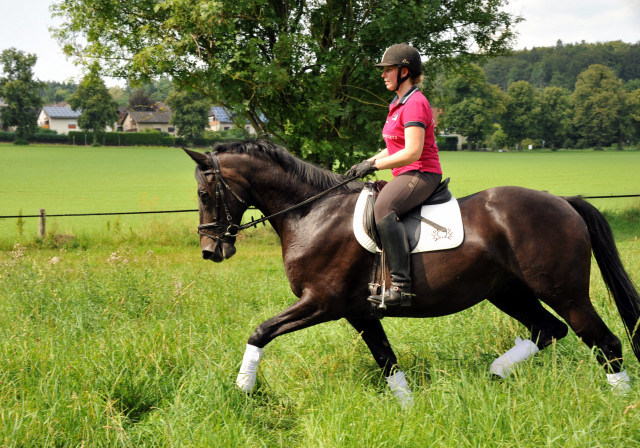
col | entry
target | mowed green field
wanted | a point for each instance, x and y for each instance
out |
(124, 336)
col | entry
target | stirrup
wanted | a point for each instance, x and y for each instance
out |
(394, 297)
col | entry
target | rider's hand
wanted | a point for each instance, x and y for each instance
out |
(362, 169)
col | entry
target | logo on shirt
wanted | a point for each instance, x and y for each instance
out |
(395, 117)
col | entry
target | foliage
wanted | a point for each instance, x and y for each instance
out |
(560, 66)
(599, 103)
(123, 138)
(98, 108)
(553, 116)
(189, 113)
(470, 104)
(19, 90)
(517, 119)
(141, 100)
(41, 136)
(56, 92)
(301, 72)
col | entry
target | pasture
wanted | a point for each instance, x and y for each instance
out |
(123, 336)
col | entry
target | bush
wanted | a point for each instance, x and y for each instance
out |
(123, 138)
(48, 137)
(7, 136)
(447, 143)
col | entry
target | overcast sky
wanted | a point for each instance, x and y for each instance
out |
(24, 24)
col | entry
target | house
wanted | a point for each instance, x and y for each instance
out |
(220, 120)
(157, 119)
(59, 117)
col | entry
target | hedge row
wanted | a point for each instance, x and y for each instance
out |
(39, 137)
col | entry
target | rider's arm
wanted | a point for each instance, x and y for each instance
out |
(414, 142)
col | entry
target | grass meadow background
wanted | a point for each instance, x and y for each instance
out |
(120, 335)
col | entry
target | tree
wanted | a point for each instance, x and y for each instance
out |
(599, 104)
(517, 119)
(554, 116)
(301, 72)
(141, 100)
(633, 102)
(189, 113)
(20, 92)
(98, 108)
(470, 105)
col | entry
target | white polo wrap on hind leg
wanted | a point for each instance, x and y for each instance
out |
(400, 388)
(518, 353)
(620, 382)
(246, 380)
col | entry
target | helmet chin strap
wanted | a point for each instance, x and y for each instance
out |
(400, 78)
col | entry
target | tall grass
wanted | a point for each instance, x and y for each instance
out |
(123, 337)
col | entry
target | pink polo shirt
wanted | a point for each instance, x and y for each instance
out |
(413, 109)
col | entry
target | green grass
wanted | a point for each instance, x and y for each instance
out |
(128, 338)
(68, 179)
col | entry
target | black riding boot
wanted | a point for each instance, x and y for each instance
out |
(396, 248)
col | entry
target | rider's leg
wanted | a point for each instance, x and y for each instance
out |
(402, 194)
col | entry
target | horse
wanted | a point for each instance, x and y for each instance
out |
(521, 247)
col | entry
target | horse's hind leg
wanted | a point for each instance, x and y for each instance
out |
(587, 324)
(374, 336)
(518, 301)
(573, 304)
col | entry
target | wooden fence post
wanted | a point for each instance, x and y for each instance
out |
(42, 228)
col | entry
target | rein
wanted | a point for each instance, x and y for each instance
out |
(236, 228)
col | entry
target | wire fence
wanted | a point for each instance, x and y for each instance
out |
(60, 215)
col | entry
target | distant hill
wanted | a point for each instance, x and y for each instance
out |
(560, 65)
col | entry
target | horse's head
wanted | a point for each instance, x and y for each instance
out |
(221, 207)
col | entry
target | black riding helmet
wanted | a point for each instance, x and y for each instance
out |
(402, 55)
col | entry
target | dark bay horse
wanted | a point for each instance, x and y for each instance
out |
(521, 247)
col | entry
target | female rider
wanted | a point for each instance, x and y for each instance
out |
(412, 155)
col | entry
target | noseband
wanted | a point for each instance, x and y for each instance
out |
(231, 229)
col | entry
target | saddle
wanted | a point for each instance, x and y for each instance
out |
(436, 224)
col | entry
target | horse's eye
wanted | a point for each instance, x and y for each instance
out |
(204, 196)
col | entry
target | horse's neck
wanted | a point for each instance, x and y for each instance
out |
(275, 190)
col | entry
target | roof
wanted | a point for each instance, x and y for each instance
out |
(61, 112)
(161, 115)
(221, 114)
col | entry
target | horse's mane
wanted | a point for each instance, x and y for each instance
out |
(306, 172)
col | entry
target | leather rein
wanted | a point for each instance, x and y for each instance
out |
(232, 229)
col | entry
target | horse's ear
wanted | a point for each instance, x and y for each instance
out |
(197, 157)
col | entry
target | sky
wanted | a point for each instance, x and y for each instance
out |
(24, 24)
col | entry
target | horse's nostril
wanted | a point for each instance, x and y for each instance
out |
(207, 254)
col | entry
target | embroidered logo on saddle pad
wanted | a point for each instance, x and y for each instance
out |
(429, 227)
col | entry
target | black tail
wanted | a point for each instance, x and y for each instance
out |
(613, 272)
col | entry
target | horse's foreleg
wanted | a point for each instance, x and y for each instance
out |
(302, 314)
(374, 336)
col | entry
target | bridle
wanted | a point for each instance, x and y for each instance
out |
(231, 230)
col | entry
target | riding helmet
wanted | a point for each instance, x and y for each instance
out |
(402, 55)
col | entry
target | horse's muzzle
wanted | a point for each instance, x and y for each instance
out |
(217, 251)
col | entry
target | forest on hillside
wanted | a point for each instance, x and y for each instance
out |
(560, 66)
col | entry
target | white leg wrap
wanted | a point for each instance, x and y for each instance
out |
(400, 388)
(246, 380)
(620, 382)
(518, 353)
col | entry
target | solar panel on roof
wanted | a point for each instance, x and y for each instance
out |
(61, 112)
(220, 113)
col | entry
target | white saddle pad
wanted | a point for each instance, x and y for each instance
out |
(446, 215)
